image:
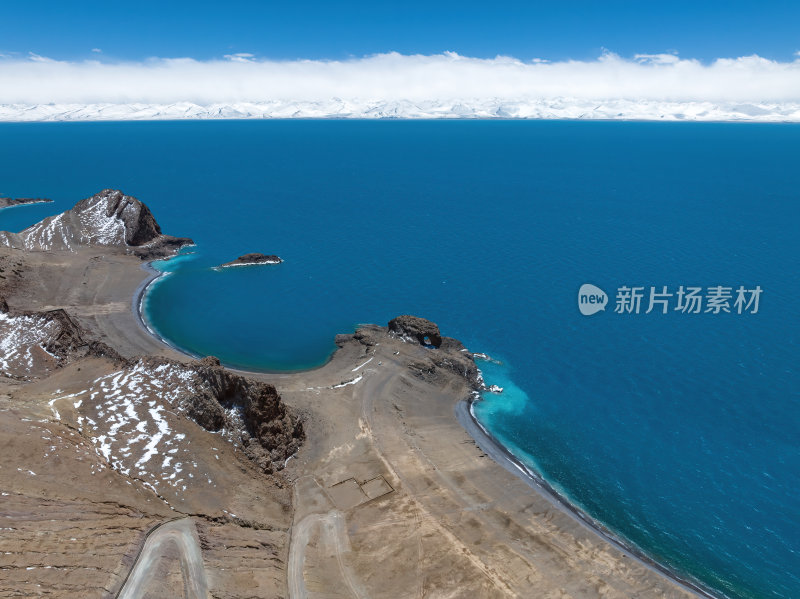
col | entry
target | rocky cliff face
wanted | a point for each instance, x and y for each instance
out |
(32, 344)
(412, 327)
(248, 413)
(109, 218)
(268, 432)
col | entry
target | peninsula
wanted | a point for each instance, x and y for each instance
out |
(9, 202)
(130, 469)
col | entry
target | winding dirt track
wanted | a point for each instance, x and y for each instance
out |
(331, 532)
(183, 536)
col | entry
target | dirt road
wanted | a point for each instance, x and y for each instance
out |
(180, 536)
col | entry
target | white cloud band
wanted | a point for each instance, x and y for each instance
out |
(395, 80)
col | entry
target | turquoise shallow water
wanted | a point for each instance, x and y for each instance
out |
(677, 431)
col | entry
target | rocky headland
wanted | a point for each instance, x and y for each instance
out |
(107, 219)
(117, 434)
(8, 202)
(351, 480)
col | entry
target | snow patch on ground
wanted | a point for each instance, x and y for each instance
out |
(130, 417)
(22, 340)
(353, 382)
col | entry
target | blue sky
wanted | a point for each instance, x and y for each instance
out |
(554, 30)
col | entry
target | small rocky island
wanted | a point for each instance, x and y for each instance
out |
(252, 260)
(8, 202)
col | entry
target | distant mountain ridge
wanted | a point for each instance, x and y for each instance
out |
(337, 108)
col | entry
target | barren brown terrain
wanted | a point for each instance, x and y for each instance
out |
(387, 497)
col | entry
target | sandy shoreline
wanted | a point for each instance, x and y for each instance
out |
(465, 416)
(388, 497)
(506, 459)
(486, 441)
(137, 308)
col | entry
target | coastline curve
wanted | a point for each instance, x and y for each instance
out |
(502, 456)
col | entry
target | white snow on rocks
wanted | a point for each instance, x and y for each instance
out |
(21, 343)
(98, 229)
(130, 419)
(47, 234)
(89, 226)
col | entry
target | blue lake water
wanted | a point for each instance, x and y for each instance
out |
(678, 431)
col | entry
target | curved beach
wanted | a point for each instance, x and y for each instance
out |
(388, 495)
(487, 443)
(505, 458)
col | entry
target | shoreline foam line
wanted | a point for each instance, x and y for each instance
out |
(137, 308)
(501, 455)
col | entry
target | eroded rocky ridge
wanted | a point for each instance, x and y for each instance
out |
(250, 410)
(109, 218)
(249, 413)
(33, 344)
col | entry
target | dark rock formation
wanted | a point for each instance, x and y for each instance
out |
(70, 341)
(251, 410)
(423, 331)
(139, 224)
(61, 337)
(450, 355)
(109, 218)
(142, 232)
(252, 259)
(459, 362)
(271, 434)
(7, 202)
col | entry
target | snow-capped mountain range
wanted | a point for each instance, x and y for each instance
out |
(550, 108)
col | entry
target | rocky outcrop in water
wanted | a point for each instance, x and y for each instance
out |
(109, 218)
(252, 260)
(413, 327)
(8, 202)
